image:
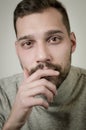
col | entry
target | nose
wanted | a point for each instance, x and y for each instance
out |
(43, 54)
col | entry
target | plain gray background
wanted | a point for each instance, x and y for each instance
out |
(9, 63)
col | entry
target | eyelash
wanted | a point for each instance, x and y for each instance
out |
(26, 45)
(58, 39)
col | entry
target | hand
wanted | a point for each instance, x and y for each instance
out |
(26, 97)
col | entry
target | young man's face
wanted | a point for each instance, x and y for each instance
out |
(43, 42)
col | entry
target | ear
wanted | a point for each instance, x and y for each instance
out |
(73, 41)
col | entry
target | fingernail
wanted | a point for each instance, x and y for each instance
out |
(57, 73)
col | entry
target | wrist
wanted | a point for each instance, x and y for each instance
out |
(12, 126)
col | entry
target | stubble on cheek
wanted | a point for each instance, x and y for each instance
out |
(62, 69)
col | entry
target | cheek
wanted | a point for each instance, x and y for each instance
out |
(26, 59)
(61, 54)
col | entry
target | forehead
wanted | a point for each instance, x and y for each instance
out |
(40, 22)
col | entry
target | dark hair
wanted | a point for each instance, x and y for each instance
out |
(26, 7)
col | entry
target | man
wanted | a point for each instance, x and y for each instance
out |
(50, 95)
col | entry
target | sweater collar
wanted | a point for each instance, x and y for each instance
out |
(64, 92)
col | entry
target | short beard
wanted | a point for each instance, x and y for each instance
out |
(57, 80)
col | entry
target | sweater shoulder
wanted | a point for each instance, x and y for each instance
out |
(11, 80)
(9, 86)
(79, 71)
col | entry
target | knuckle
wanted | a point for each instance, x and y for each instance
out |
(43, 89)
(42, 102)
(44, 81)
(50, 97)
(54, 88)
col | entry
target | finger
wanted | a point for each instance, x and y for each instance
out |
(42, 73)
(42, 82)
(39, 91)
(26, 74)
(33, 101)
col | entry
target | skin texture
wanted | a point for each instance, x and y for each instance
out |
(44, 49)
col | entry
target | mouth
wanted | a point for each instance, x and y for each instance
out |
(46, 66)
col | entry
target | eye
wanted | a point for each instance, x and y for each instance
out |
(55, 39)
(26, 44)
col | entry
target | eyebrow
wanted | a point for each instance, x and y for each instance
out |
(24, 37)
(51, 32)
(48, 33)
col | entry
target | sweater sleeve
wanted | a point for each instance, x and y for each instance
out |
(4, 107)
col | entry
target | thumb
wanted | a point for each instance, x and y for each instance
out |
(26, 73)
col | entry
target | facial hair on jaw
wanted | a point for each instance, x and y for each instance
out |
(57, 80)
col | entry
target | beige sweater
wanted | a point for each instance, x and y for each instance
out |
(67, 112)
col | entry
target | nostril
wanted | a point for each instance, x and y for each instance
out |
(41, 61)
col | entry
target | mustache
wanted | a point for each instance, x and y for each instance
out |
(43, 65)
